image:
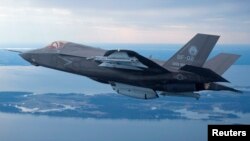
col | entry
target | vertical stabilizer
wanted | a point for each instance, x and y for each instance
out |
(194, 53)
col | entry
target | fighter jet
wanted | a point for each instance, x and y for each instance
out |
(185, 74)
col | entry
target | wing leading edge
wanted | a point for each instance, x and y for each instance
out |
(127, 59)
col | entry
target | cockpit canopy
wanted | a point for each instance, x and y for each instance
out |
(57, 44)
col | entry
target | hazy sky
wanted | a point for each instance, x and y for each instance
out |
(123, 21)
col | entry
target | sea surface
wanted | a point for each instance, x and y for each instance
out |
(38, 104)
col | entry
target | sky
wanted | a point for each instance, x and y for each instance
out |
(123, 21)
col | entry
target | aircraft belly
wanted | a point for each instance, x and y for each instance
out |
(134, 91)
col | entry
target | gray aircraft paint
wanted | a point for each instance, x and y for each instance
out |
(194, 53)
(221, 62)
(134, 75)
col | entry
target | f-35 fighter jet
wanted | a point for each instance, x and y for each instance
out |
(134, 75)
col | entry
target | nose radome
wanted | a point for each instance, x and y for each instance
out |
(25, 56)
(28, 57)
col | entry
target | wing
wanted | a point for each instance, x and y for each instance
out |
(130, 60)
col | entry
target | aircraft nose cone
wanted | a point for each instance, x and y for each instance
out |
(28, 57)
(25, 56)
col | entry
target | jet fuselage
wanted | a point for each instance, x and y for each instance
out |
(132, 74)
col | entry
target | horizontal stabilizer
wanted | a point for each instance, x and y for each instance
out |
(219, 87)
(207, 73)
(221, 62)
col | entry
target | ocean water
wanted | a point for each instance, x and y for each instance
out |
(37, 103)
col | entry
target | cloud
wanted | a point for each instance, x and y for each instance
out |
(122, 21)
